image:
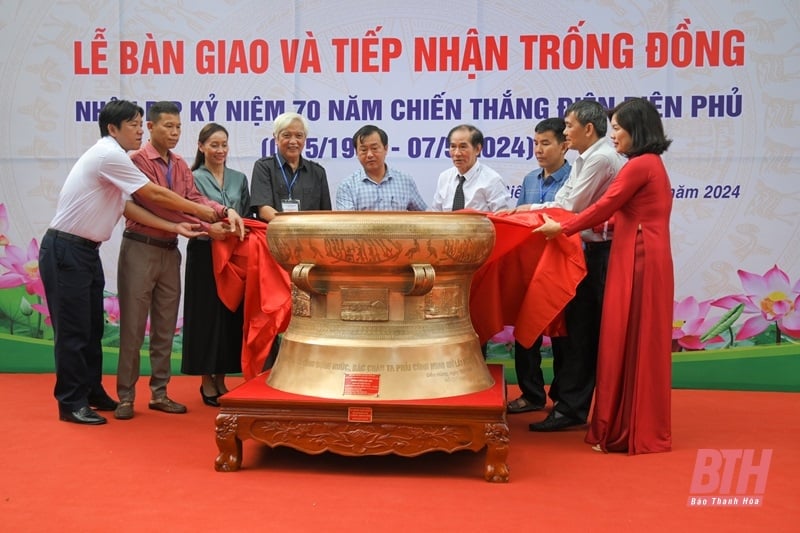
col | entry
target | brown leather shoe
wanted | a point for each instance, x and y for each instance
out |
(124, 411)
(166, 405)
(522, 405)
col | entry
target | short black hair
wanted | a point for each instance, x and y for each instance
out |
(116, 112)
(163, 107)
(640, 118)
(366, 131)
(589, 111)
(556, 125)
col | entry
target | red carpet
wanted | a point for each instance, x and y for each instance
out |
(156, 473)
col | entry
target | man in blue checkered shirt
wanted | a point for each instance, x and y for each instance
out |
(377, 186)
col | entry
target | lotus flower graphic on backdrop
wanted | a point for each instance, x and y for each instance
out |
(505, 337)
(22, 268)
(772, 298)
(690, 323)
(111, 307)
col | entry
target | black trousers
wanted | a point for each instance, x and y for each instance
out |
(73, 279)
(575, 356)
(528, 368)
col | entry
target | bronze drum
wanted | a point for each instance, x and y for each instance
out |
(380, 304)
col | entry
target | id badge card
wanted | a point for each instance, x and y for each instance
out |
(290, 206)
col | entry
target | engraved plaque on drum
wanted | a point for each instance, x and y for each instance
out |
(365, 304)
(444, 302)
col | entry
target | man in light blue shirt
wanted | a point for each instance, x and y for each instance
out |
(538, 187)
(376, 186)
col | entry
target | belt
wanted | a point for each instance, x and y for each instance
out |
(73, 238)
(161, 243)
(596, 245)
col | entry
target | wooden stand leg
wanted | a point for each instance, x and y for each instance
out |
(496, 469)
(229, 444)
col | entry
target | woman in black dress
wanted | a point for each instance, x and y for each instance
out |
(212, 334)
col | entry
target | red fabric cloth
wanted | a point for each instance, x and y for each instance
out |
(247, 271)
(527, 281)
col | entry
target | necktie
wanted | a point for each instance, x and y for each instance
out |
(458, 198)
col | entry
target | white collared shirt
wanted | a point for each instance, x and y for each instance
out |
(484, 190)
(589, 178)
(93, 196)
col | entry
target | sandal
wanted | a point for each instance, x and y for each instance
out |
(522, 405)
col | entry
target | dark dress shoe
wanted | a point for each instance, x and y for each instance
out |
(556, 421)
(102, 403)
(84, 415)
(213, 401)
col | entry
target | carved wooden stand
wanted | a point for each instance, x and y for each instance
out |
(354, 428)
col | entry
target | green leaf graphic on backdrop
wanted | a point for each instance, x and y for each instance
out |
(724, 323)
(16, 315)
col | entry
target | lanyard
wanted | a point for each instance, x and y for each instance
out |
(169, 173)
(544, 191)
(289, 186)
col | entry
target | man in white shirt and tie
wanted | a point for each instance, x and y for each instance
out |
(469, 184)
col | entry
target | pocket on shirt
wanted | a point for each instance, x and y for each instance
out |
(311, 199)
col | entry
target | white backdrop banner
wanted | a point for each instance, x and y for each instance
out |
(723, 74)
